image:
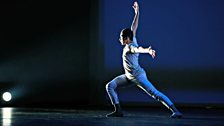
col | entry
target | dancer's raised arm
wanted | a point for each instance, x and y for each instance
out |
(134, 25)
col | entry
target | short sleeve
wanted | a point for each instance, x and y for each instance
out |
(135, 41)
(132, 47)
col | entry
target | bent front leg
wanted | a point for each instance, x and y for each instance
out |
(112, 85)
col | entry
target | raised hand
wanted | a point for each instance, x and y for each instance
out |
(136, 7)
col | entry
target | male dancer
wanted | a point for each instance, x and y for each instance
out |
(134, 74)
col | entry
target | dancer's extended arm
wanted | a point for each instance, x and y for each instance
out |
(143, 50)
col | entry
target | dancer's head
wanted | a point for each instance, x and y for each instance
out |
(126, 36)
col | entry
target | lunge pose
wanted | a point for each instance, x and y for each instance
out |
(134, 73)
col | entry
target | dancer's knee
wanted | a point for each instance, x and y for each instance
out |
(109, 86)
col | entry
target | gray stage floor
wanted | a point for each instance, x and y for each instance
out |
(91, 117)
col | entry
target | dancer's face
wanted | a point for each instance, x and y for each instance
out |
(123, 40)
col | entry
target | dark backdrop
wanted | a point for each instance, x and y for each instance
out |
(48, 52)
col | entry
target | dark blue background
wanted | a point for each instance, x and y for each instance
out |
(188, 38)
(185, 33)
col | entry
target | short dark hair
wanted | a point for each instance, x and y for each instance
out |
(127, 32)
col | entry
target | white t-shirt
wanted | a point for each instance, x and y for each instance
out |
(130, 60)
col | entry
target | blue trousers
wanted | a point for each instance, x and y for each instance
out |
(142, 82)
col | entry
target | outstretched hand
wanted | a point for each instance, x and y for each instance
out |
(136, 7)
(152, 52)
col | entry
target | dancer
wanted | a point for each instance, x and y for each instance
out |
(134, 73)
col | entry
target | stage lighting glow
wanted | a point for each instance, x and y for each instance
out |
(6, 116)
(7, 96)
